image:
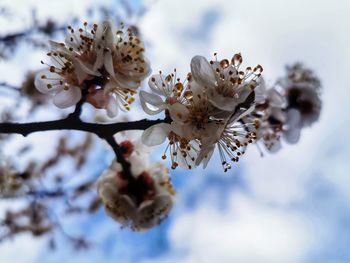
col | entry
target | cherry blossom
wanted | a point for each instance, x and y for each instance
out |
(143, 203)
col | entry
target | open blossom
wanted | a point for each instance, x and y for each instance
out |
(268, 119)
(193, 118)
(225, 83)
(108, 63)
(126, 66)
(282, 111)
(302, 91)
(140, 204)
(198, 121)
(166, 90)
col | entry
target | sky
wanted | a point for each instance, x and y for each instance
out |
(292, 206)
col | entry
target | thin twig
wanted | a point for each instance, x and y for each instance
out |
(9, 86)
(78, 108)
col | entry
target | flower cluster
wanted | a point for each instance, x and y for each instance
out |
(144, 201)
(301, 89)
(106, 64)
(219, 105)
(204, 111)
(282, 111)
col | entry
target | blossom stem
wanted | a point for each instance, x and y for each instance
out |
(78, 108)
(119, 155)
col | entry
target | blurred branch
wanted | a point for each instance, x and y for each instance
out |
(9, 86)
(45, 193)
(48, 28)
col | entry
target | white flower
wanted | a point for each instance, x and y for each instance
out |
(204, 111)
(226, 85)
(302, 91)
(87, 48)
(127, 67)
(196, 116)
(268, 119)
(73, 62)
(60, 82)
(108, 63)
(167, 89)
(197, 125)
(306, 100)
(143, 203)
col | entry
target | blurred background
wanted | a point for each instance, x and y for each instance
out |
(293, 206)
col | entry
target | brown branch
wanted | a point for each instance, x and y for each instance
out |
(102, 130)
(78, 108)
(73, 122)
(125, 164)
(8, 86)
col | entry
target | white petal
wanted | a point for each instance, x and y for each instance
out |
(107, 187)
(159, 86)
(67, 98)
(151, 103)
(121, 209)
(99, 61)
(178, 112)
(72, 41)
(202, 72)
(197, 91)
(82, 70)
(155, 134)
(108, 63)
(275, 98)
(56, 46)
(292, 135)
(99, 33)
(112, 107)
(147, 68)
(260, 91)
(275, 147)
(123, 81)
(293, 118)
(150, 213)
(241, 113)
(139, 163)
(41, 83)
(109, 31)
(152, 99)
(205, 155)
(187, 162)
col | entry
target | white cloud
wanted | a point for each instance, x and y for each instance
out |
(24, 249)
(247, 231)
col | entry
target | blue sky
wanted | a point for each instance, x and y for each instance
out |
(290, 207)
